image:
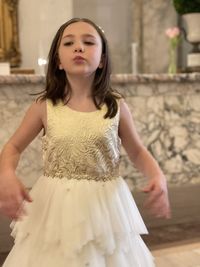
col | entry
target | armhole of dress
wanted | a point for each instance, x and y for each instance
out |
(118, 110)
(118, 119)
(47, 117)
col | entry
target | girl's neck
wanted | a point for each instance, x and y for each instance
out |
(81, 87)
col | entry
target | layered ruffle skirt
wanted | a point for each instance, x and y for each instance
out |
(79, 223)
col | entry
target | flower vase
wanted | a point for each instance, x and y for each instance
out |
(172, 68)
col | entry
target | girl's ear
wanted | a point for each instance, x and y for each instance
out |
(60, 66)
(101, 64)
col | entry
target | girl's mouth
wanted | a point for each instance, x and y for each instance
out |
(78, 59)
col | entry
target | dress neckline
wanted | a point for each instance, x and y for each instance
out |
(82, 112)
(85, 112)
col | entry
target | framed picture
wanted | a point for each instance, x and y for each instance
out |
(9, 36)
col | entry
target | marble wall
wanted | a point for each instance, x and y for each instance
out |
(166, 111)
(167, 116)
(15, 99)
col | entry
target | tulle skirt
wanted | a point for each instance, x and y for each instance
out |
(79, 223)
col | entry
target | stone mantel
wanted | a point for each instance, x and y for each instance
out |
(116, 78)
(155, 78)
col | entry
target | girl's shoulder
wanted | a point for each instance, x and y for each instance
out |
(38, 110)
(42, 105)
(38, 105)
(124, 109)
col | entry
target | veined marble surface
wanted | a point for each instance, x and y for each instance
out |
(116, 78)
(165, 108)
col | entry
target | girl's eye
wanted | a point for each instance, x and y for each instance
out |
(89, 43)
(68, 43)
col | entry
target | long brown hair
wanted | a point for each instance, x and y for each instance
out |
(57, 86)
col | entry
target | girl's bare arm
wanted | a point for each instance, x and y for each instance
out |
(157, 201)
(12, 191)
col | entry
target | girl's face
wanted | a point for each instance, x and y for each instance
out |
(80, 49)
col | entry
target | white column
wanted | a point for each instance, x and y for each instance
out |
(38, 23)
(134, 57)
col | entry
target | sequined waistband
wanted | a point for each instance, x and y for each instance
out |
(103, 178)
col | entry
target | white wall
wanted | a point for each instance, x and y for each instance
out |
(115, 17)
(39, 20)
(38, 23)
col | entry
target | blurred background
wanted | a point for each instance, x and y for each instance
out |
(164, 101)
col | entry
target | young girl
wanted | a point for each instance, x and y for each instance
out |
(80, 212)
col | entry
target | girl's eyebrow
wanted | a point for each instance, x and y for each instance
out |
(83, 35)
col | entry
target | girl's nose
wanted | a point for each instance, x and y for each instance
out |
(79, 48)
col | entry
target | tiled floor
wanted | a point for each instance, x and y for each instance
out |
(165, 235)
(179, 255)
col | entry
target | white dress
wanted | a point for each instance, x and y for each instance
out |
(83, 213)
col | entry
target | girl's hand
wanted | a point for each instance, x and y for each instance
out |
(158, 201)
(12, 196)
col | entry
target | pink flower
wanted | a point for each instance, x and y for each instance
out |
(174, 35)
(172, 32)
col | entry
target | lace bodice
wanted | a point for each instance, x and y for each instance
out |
(80, 145)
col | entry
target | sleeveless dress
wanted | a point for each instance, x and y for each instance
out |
(83, 213)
